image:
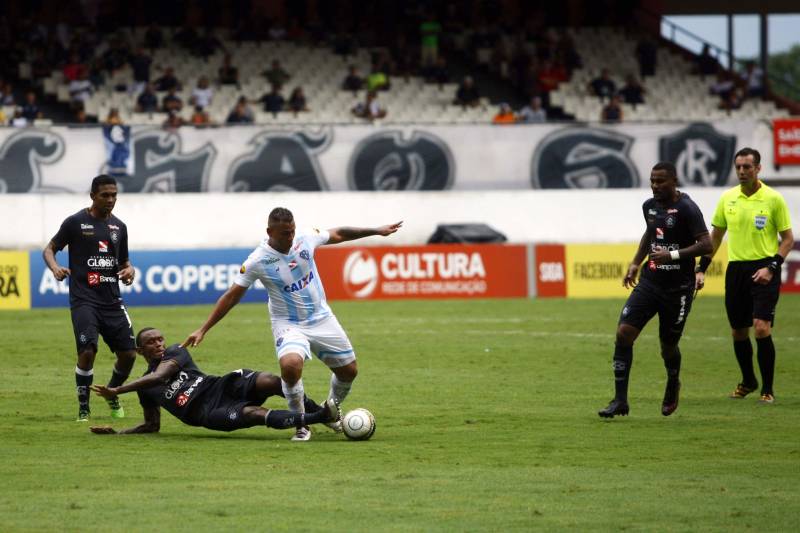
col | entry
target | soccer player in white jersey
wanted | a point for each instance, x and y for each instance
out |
(302, 321)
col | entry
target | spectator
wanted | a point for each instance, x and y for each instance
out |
(276, 75)
(723, 86)
(297, 101)
(733, 100)
(505, 115)
(550, 75)
(171, 102)
(6, 94)
(273, 101)
(113, 118)
(80, 90)
(199, 117)
(30, 109)
(647, 56)
(706, 63)
(3, 118)
(72, 68)
(140, 64)
(168, 81)
(754, 77)
(533, 112)
(147, 102)
(603, 86)
(206, 44)
(378, 80)
(633, 91)
(241, 113)
(370, 109)
(467, 94)
(173, 122)
(353, 82)
(18, 120)
(202, 94)
(567, 55)
(429, 30)
(612, 111)
(228, 74)
(437, 73)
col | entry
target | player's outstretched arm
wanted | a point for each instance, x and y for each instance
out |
(49, 256)
(160, 375)
(225, 303)
(151, 424)
(345, 233)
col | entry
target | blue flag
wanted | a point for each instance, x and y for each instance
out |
(118, 149)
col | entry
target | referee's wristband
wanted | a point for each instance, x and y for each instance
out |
(705, 261)
(775, 264)
(675, 255)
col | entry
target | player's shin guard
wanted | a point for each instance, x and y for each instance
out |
(288, 419)
(623, 359)
(744, 356)
(766, 363)
(83, 379)
(339, 389)
(294, 396)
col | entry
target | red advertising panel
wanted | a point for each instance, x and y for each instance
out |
(433, 271)
(786, 139)
(790, 273)
(551, 279)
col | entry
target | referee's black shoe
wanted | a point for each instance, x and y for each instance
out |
(671, 395)
(616, 407)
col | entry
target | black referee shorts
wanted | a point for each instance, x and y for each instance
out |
(112, 322)
(672, 307)
(220, 407)
(745, 300)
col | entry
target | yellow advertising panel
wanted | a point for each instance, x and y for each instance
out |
(596, 270)
(15, 280)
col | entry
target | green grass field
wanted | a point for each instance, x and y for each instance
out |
(486, 415)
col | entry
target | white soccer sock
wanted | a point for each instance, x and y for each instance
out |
(294, 396)
(339, 389)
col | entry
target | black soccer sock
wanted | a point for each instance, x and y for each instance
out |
(623, 359)
(673, 364)
(281, 419)
(744, 355)
(83, 379)
(117, 378)
(310, 405)
(766, 362)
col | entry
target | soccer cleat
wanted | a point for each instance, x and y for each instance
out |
(766, 399)
(742, 390)
(334, 420)
(671, 395)
(616, 407)
(117, 411)
(302, 434)
(83, 415)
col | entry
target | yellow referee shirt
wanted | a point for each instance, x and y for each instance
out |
(752, 222)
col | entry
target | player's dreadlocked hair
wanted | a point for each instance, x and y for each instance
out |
(102, 179)
(668, 167)
(280, 214)
(139, 336)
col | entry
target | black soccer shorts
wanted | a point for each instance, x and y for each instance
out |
(745, 300)
(222, 404)
(672, 307)
(112, 322)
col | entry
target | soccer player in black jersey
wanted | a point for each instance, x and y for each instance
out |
(676, 233)
(98, 261)
(222, 403)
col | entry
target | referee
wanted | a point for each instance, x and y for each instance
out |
(753, 215)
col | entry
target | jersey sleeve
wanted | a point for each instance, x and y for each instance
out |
(248, 273)
(697, 224)
(177, 353)
(123, 244)
(718, 220)
(317, 237)
(782, 219)
(63, 236)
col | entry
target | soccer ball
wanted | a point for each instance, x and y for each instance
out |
(358, 424)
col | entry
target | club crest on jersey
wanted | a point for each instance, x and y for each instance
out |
(292, 265)
(761, 221)
(304, 255)
(670, 221)
(660, 233)
(114, 236)
(103, 246)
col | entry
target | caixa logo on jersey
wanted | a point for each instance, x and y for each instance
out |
(159, 165)
(22, 154)
(584, 158)
(387, 162)
(281, 161)
(702, 155)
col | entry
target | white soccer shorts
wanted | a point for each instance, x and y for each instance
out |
(326, 339)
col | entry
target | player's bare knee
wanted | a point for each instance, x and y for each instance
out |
(762, 328)
(626, 335)
(86, 358)
(347, 372)
(269, 383)
(126, 359)
(291, 368)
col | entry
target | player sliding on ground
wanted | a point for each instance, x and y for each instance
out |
(223, 403)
